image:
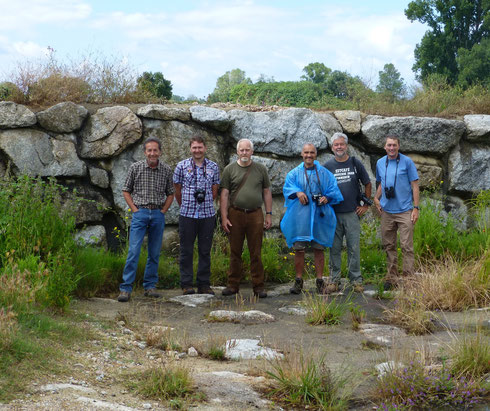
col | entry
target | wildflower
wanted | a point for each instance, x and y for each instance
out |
(291, 253)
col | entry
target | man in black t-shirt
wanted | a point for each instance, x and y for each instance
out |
(348, 171)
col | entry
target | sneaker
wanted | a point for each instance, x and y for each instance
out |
(124, 297)
(228, 291)
(260, 294)
(188, 291)
(297, 286)
(358, 287)
(205, 290)
(152, 293)
(320, 286)
(331, 288)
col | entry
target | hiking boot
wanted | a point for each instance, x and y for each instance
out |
(124, 297)
(228, 291)
(152, 293)
(358, 287)
(297, 286)
(188, 291)
(205, 290)
(260, 294)
(320, 286)
(331, 288)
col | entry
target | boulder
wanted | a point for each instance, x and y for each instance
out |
(211, 117)
(283, 132)
(63, 117)
(37, 154)
(417, 134)
(429, 169)
(109, 132)
(14, 115)
(161, 112)
(94, 205)
(92, 235)
(249, 349)
(469, 168)
(477, 127)
(99, 177)
(350, 120)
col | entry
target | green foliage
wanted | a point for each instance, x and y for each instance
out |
(308, 382)
(390, 83)
(225, 83)
(474, 65)
(412, 387)
(36, 232)
(155, 84)
(276, 268)
(471, 356)
(9, 91)
(322, 311)
(316, 73)
(454, 24)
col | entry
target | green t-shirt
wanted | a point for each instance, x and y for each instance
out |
(250, 195)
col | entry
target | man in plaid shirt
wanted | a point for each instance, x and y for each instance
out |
(149, 192)
(196, 182)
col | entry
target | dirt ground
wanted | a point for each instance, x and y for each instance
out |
(97, 380)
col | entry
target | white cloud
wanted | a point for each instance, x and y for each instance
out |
(29, 49)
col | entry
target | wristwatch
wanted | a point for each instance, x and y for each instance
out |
(269, 212)
(417, 207)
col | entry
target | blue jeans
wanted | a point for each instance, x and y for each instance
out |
(144, 221)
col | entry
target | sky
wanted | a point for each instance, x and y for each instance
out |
(193, 42)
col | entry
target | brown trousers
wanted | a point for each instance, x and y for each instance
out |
(250, 225)
(390, 225)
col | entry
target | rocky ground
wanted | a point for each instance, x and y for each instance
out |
(254, 331)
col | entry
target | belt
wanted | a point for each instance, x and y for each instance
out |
(246, 210)
(151, 207)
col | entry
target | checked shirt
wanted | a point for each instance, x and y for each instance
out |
(149, 186)
(192, 177)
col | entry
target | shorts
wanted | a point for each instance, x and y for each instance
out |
(301, 245)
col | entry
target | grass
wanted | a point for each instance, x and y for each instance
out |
(163, 338)
(164, 383)
(307, 382)
(325, 310)
(471, 356)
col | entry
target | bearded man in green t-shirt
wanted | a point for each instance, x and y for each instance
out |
(245, 185)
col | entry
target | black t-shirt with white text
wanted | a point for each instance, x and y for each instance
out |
(345, 173)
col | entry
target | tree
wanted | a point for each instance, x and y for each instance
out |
(474, 65)
(225, 83)
(316, 73)
(390, 83)
(155, 84)
(340, 83)
(454, 25)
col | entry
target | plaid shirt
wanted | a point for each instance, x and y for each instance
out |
(149, 186)
(190, 177)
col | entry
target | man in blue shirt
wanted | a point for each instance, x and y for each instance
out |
(196, 182)
(397, 199)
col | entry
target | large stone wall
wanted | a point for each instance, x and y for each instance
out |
(92, 152)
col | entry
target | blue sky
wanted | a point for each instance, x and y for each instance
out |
(194, 42)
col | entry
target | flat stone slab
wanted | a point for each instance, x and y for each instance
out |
(61, 387)
(244, 317)
(92, 403)
(230, 389)
(193, 300)
(380, 334)
(294, 310)
(249, 349)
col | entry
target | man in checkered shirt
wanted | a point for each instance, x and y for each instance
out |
(196, 182)
(149, 192)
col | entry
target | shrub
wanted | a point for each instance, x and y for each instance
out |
(8, 328)
(57, 88)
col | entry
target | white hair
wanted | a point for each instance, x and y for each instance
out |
(243, 140)
(339, 135)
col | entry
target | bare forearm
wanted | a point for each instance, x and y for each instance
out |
(168, 203)
(129, 201)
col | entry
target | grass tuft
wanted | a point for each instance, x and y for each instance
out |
(322, 311)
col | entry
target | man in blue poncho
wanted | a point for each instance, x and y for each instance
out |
(310, 190)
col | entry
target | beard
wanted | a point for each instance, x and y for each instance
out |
(244, 159)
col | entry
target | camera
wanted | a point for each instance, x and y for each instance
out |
(365, 200)
(200, 195)
(316, 198)
(390, 192)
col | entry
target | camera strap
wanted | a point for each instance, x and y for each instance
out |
(308, 180)
(396, 169)
(194, 169)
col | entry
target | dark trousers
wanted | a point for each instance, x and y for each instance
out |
(189, 229)
(250, 225)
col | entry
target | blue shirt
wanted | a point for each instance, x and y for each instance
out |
(192, 177)
(405, 171)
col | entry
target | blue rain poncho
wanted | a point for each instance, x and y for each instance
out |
(310, 222)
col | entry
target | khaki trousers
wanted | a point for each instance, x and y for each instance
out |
(251, 226)
(390, 225)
